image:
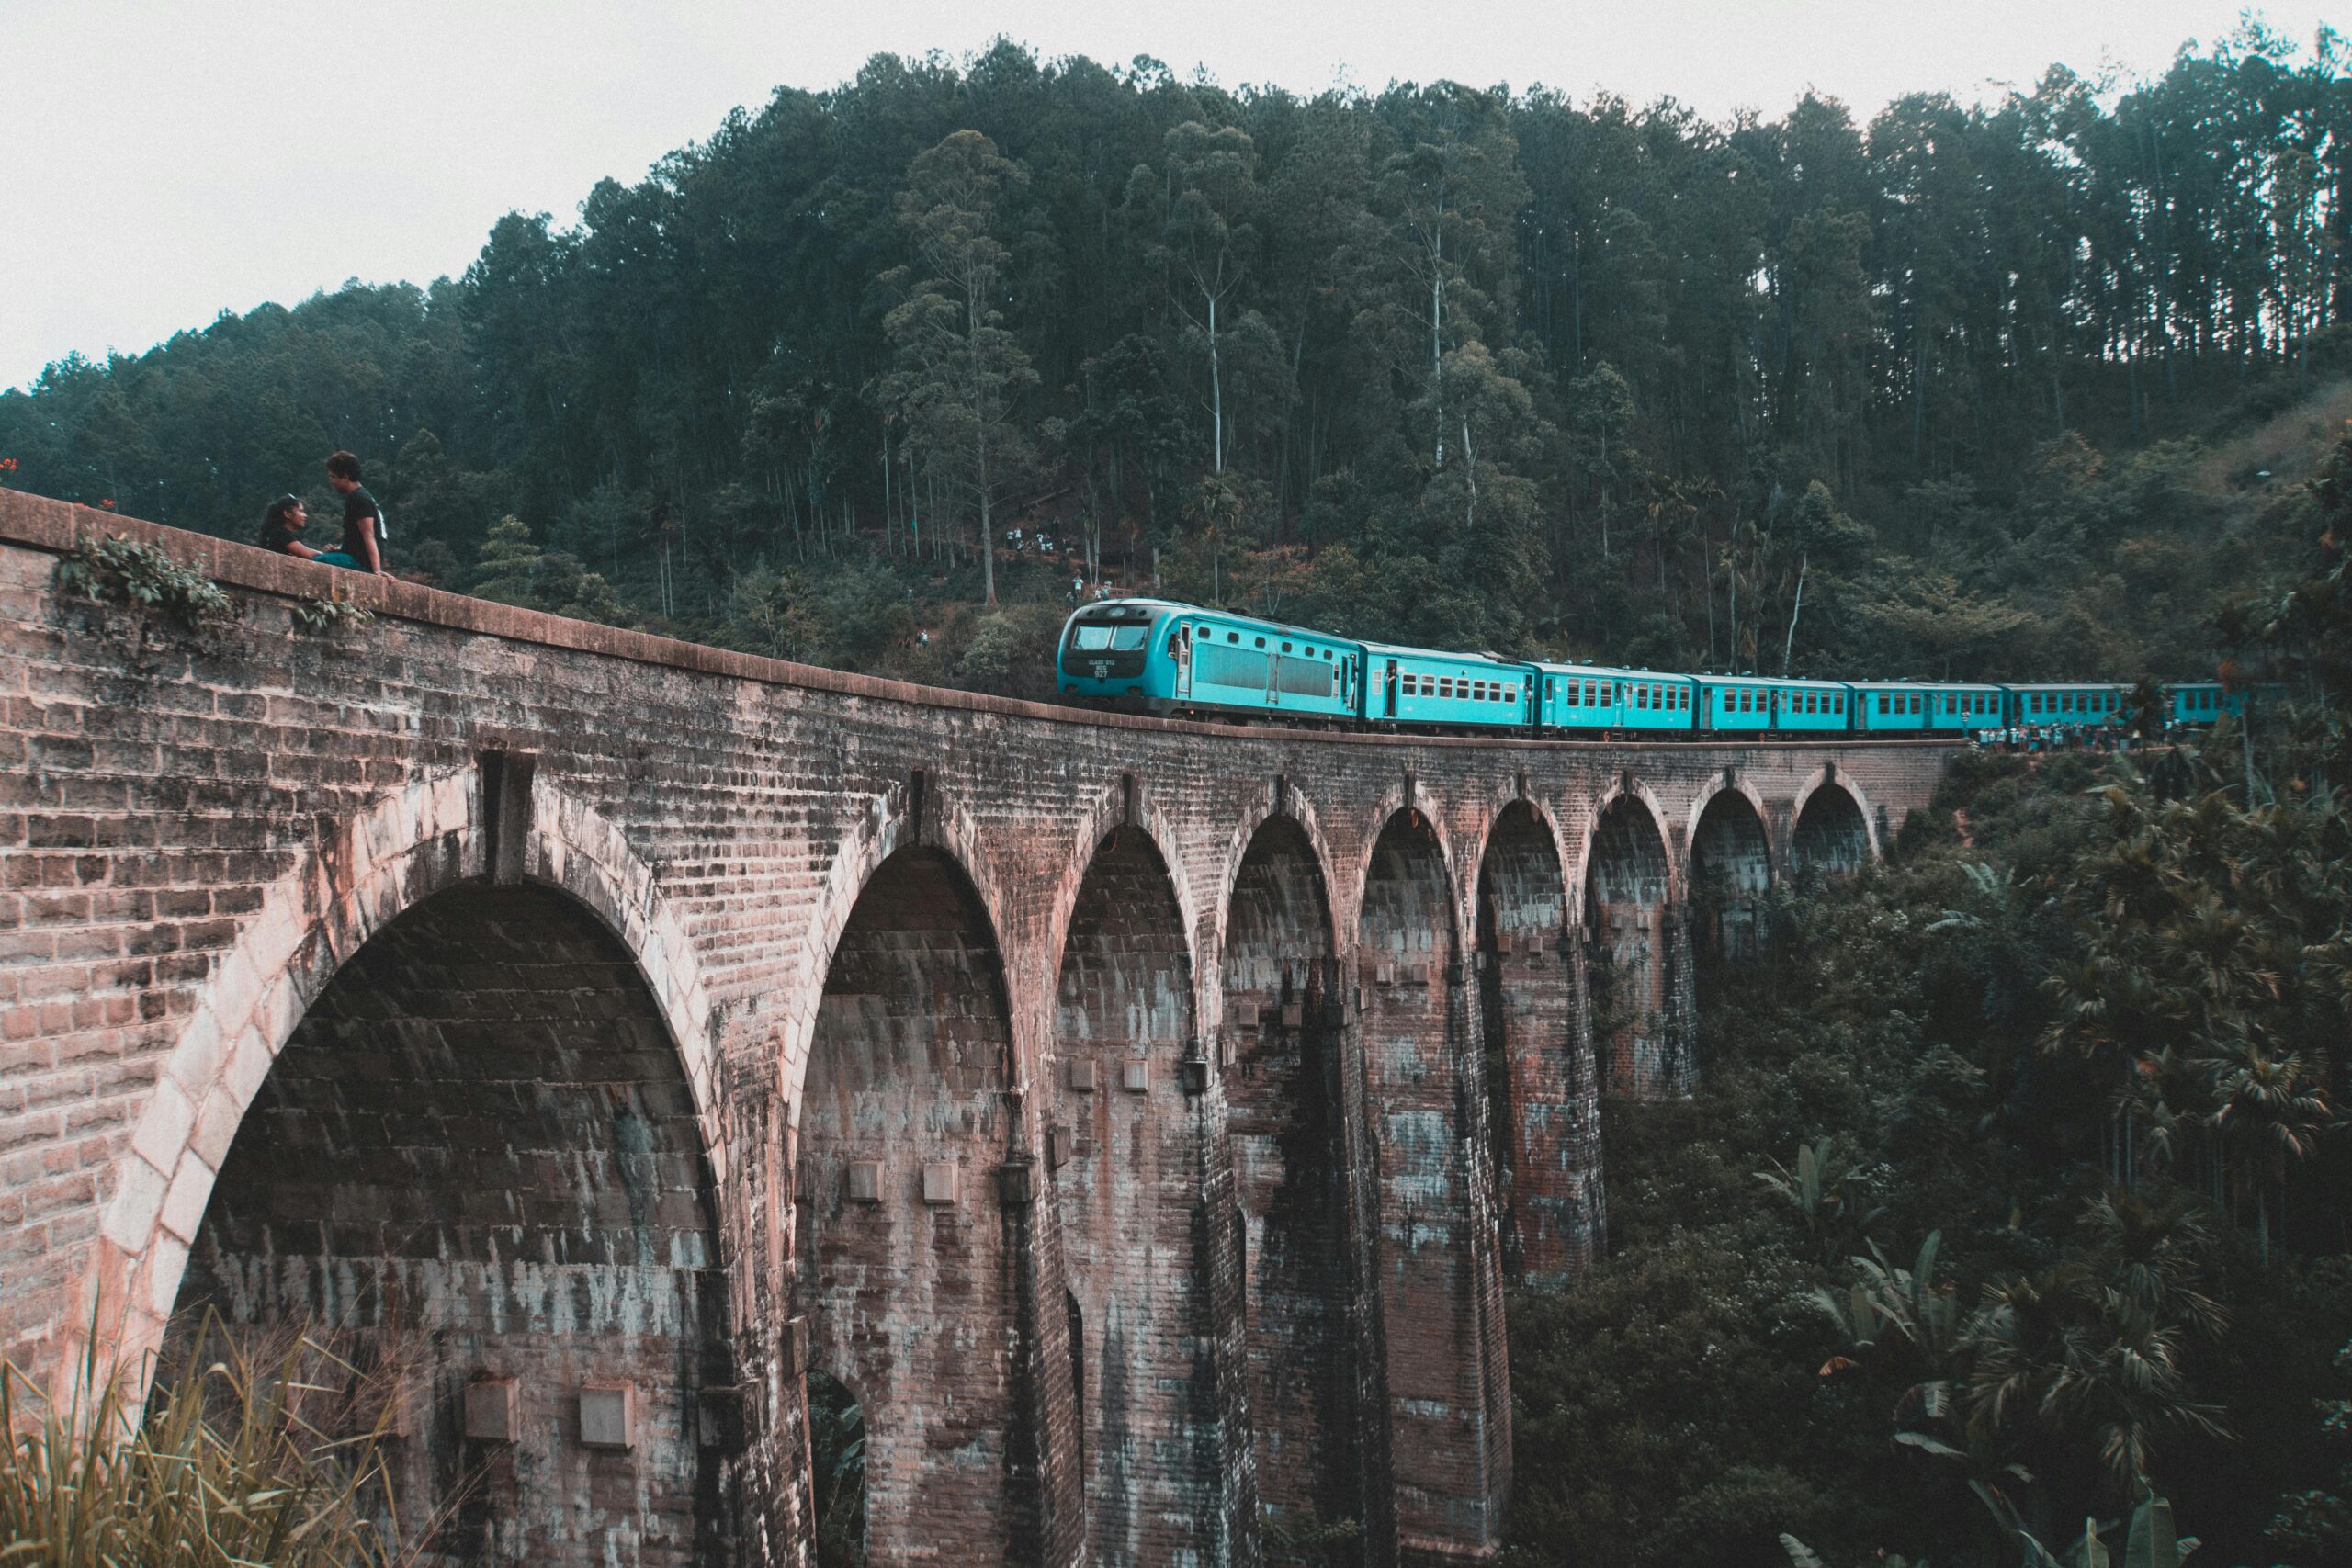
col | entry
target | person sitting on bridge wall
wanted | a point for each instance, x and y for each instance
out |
(282, 522)
(363, 520)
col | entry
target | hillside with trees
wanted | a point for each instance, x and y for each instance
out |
(2016, 1185)
(2015, 1191)
(1991, 390)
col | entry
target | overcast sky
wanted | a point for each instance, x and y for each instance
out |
(162, 162)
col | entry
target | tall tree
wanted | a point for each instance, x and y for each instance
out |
(960, 370)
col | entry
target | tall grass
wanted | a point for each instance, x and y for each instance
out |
(264, 1454)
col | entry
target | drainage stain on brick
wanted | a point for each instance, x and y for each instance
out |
(912, 1299)
(478, 1157)
(1731, 869)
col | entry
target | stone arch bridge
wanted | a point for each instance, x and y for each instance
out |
(1139, 1122)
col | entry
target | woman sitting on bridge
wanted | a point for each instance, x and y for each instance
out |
(282, 522)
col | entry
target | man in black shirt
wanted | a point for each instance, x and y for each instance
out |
(362, 518)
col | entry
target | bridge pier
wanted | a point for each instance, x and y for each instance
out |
(1537, 1057)
(628, 1013)
(1639, 955)
(1441, 1284)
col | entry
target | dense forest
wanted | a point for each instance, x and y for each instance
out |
(2016, 1186)
(1989, 391)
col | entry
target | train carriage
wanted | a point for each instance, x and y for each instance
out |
(1754, 704)
(1170, 658)
(2070, 707)
(1918, 707)
(1967, 707)
(2200, 701)
(1423, 686)
(1590, 698)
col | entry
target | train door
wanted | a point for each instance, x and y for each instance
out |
(1181, 645)
(1391, 685)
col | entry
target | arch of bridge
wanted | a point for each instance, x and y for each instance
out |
(415, 842)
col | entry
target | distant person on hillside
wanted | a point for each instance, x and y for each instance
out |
(363, 520)
(282, 522)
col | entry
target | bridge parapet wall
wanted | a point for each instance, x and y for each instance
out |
(197, 832)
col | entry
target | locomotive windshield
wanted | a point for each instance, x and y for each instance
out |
(1095, 638)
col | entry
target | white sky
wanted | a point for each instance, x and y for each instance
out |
(162, 162)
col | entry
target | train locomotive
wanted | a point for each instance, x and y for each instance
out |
(1161, 657)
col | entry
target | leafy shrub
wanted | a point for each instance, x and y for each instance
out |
(122, 571)
(332, 613)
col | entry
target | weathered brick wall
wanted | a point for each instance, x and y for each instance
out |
(1538, 1057)
(1291, 1155)
(1441, 1288)
(905, 1267)
(1731, 869)
(196, 835)
(1632, 915)
(1126, 1151)
(477, 1157)
(1831, 835)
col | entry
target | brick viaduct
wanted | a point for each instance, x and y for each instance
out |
(1142, 1122)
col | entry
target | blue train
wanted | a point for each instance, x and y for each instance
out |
(1157, 656)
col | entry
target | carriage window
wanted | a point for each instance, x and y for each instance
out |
(1261, 642)
(1604, 693)
(1129, 636)
(1233, 636)
(1445, 686)
(1837, 700)
(1090, 638)
(1590, 699)
(1511, 693)
(1915, 702)
(1285, 647)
